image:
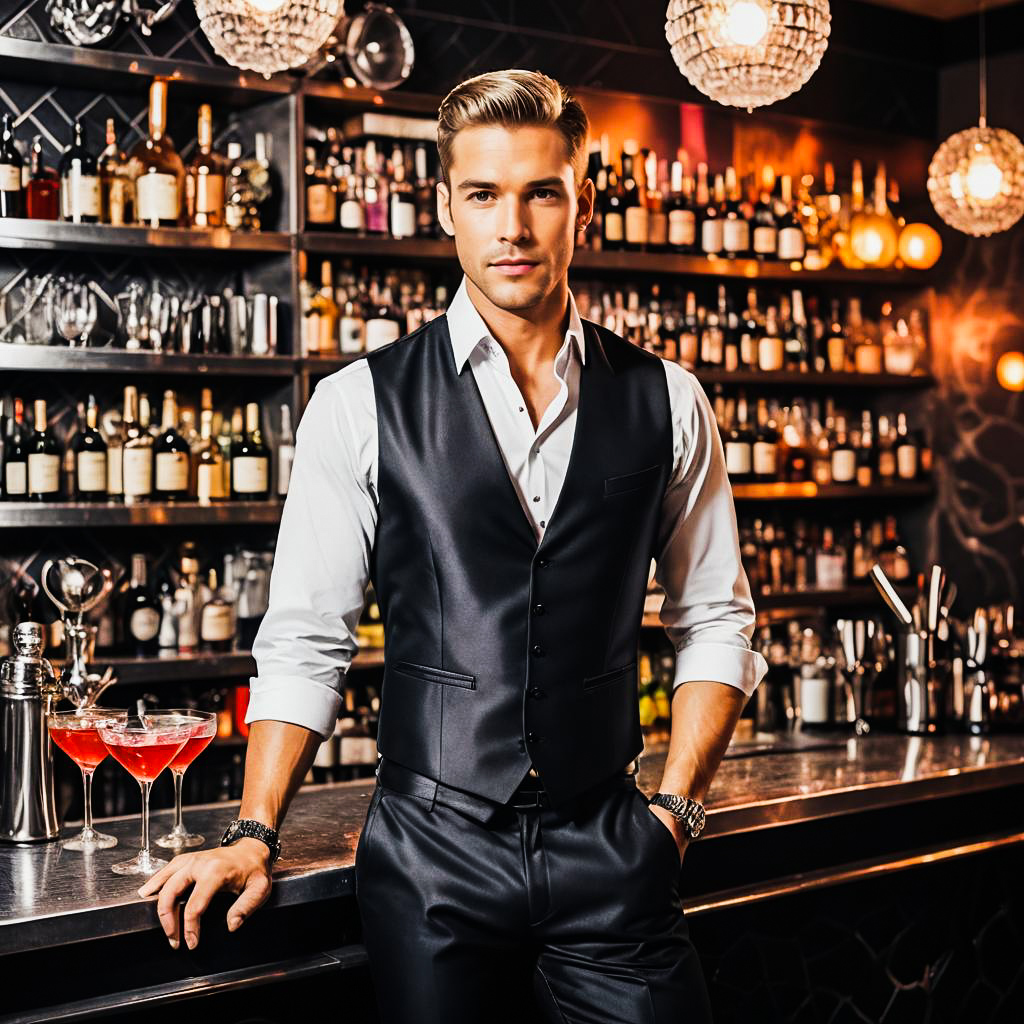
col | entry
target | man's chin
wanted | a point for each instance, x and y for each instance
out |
(516, 295)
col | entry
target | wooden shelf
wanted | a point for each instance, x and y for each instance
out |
(412, 250)
(22, 514)
(59, 358)
(809, 489)
(360, 97)
(21, 233)
(816, 381)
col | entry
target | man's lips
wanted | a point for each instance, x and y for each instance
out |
(514, 266)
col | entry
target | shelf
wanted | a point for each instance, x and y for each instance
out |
(22, 514)
(59, 358)
(20, 233)
(809, 489)
(323, 365)
(827, 380)
(420, 250)
(29, 61)
(358, 96)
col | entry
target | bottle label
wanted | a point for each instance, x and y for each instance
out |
(403, 218)
(144, 624)
(209, 482)
(352, 334)
(844, 465)
(172, 471)
(92, 471)
(712, 235)
(764, 458)
(867, 358)
(114, 484)
(321, 204)
(682, 229)
(735, 235)
(657, 229)
(906, 461)
(117, 197)
(157, 197)
(351, 216)
(17, 478)
(791, 244)
(766, 240)
(10, 178)
(886, 464)
(770, 353)
(137, 469)
(376, 216)
(43, 474)
(380, 332)
(217, 623)
(637, 223)
(79, 196)
(737, 458)
(250, 473)
(613, 226)
(210, 194)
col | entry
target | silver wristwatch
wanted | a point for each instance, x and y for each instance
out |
(683, 808)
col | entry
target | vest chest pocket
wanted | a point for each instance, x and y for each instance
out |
(606, 678)
(630, 481)
(434, 675)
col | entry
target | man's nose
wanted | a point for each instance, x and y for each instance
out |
(513, 223)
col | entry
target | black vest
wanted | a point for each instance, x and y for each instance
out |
(502, 651)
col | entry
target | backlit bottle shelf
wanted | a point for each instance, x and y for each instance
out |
(22, 514)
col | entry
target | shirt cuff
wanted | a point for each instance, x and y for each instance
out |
(720, 663)
(296, 700)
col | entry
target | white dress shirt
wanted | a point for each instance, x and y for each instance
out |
(306, 641)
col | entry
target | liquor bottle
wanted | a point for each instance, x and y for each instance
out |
(711, 230)
(866, 451)
(892, 555)
(250, 461)
(12, 199)
(208, 463)
(634, 190)
(79, 181)
(765, 449)
(739, 444)
(16, 456)
(657, 215)
(90, 451)
(157, 169)
(322, 316)
(187, 602)
(689, 334)
(351, 215)
(285, 451)
(43, 192)
(249, 186)
(829, 563)
(836, 343)
(765, 230)
(136, 452)
(792, 242)
(798, 342)
(613, 216)
(844, 456)
(402, 203)
(384, 323)
(425, 197)
(69, 464)
(321, 195)
(712, 342)
(217, 618)
(117, 192)
(204, 180)
(43, 458)
(170, 455)
(352, 328)
(140, 614)
(770, 346)
(736, 227)
(682, 220)
(905, 449)
(886, 454)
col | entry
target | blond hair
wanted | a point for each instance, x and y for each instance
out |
(512, 98)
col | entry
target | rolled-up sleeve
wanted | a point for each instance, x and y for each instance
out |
(707, 612)
(307, 639)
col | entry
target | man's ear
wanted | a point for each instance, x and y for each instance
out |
(444, 210)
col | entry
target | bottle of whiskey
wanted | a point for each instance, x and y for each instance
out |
(157, 169)
(90, 452)
(250, 461)
(136, 452)
(204, 182)
(207, 460)
(117, 192)
(682, 220)
(43, 191)
(171, 455)
(736, 227)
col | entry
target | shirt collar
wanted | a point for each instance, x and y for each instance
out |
(467, 328)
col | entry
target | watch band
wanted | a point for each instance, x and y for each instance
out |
(685, 809)
(248, 828)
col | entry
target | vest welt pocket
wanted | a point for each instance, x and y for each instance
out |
(592, 682)
(434, 675)
(630, 481)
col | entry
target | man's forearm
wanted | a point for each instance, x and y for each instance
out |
(704, 715)
(278, 757)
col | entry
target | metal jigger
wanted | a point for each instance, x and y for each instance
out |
(76, 586)
(979, 689)
(860, 662)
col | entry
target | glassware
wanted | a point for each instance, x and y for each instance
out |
(76, 733)
(203, 726)
(145, 746)
(75, 312)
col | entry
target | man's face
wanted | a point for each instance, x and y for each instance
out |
(513, 208)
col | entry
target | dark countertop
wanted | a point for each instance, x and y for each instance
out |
(50, 897)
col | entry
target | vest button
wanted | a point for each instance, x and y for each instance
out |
(537, 650)
(543, 563)
(536, 691)
(532, 737)
(538, 609)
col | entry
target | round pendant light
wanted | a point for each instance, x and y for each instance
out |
(267, 36)
(920, 246)
(747, 53)
(976, 177)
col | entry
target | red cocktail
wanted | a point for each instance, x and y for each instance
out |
(203, 725)
(75, 732)
(145, 746)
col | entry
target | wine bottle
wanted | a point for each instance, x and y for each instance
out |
(735, 227)
(250, 461)
(140, 614)
(217, 617)
(43, 458)
(117, 193)
(16, 456)
(157, 169)
(765, 230)
(136, 452)
(792, 242)
(43, 191)
(682, 221)
(171, 455)
(12, 199)
(79, 181)
(613, 215)
(426, 215)
(711, 226)
(208, 463)
(204, 181)
(90, 452)
(402, 203)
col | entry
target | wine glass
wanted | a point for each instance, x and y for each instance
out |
(144, 745)
(76, 733)
(76, 313)
(204, 728)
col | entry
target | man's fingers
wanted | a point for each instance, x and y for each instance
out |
(154, 882)
(254, 895)
(204, 891)
(167, 905)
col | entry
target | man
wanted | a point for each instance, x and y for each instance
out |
(504, 475)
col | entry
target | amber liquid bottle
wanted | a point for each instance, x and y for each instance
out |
(43, 192)
(157, 169)
(204, 185)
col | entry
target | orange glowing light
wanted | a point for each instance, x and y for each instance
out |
(920, 246)
(1010, 371)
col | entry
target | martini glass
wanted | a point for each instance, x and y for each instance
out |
(204, 727)
(145, 746)
(76, 733)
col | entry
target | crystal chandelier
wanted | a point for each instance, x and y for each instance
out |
(267, 35)
(976, 177)
(747, 53)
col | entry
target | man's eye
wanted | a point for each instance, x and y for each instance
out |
(480, 197)
(545, 193)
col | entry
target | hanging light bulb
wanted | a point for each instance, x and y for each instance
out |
(1010, 371)
(747, 53)
(920, 246)
(976, 177)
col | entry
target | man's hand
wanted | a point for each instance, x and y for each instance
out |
(675, 827)
(243, 868)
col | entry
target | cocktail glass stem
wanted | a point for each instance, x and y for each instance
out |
(89, 838)
(144, 857)
(179, 836)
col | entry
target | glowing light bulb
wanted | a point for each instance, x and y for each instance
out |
(1010, 371)
(268, 6)
(984, 178)
(746, 23)
(916, 249)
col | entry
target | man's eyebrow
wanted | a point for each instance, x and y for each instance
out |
(472, 185)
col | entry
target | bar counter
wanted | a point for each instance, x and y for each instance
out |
(779, 823)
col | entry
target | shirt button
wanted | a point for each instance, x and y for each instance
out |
(542, 523)
(537, 650)
(538, 609)
(536, 497)
(522, 408)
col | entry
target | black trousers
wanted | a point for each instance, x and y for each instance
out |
(476, 913)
